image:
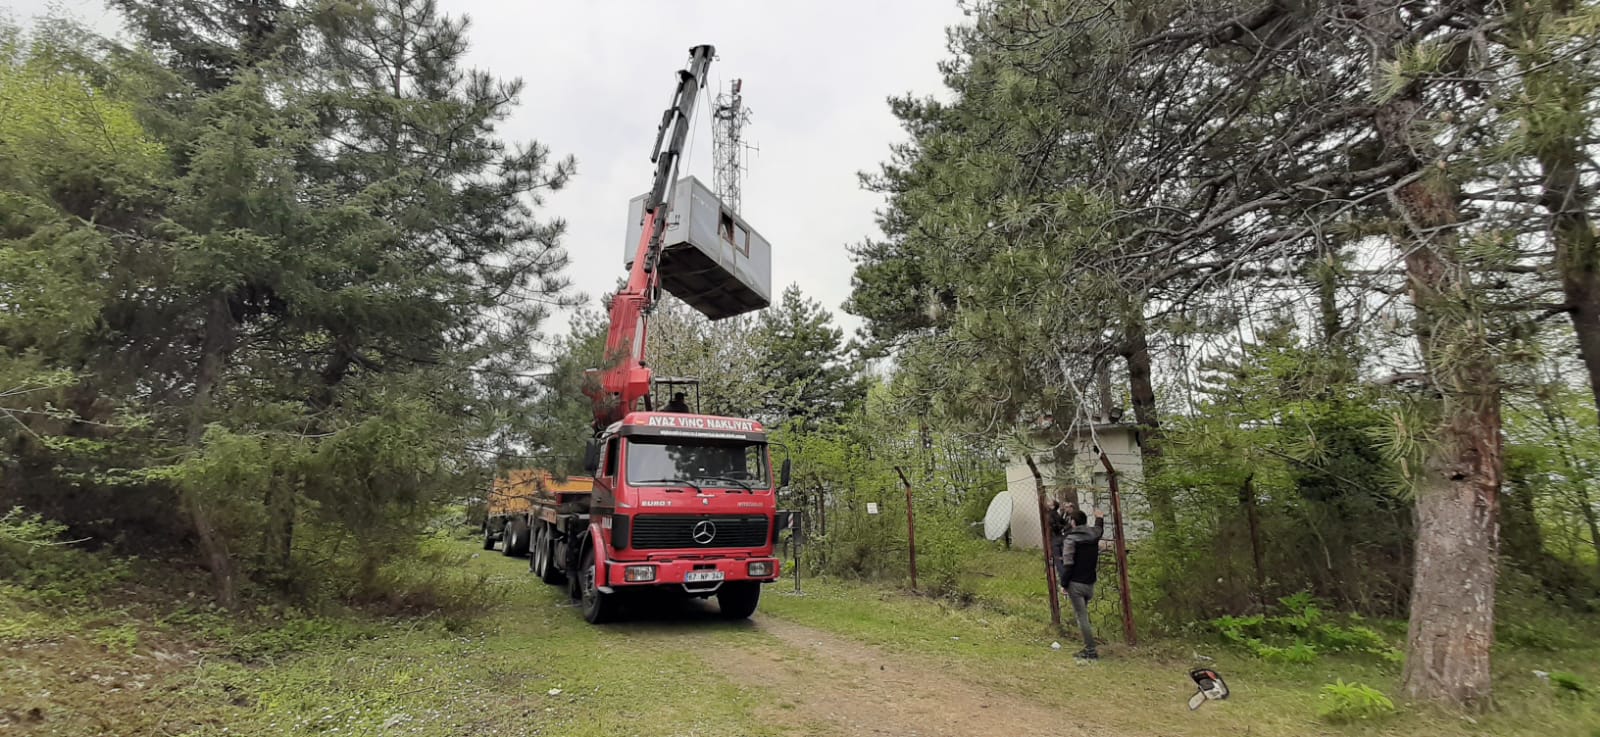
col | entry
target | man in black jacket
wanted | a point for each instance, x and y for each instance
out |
(1080, 555)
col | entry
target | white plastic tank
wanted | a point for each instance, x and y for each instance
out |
(710, 257)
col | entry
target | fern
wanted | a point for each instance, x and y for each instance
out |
(1343, 703)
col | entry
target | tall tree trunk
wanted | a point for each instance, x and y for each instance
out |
(219, 329)
(1102, 380)
(1577, 254)
(1247, 500)
(1143, 393)
(1062, 458)
(1452, 603)
(1564, 84)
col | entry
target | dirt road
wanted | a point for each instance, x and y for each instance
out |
(857, 690)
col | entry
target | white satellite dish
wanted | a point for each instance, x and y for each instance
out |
(998, 518)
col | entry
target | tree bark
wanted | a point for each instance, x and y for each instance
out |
(1247, 500)
(1577, 254)
(1142, 391)
(1062, 459)
(1452, 604)
(219, 329)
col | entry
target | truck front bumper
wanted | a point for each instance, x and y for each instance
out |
(676, 572)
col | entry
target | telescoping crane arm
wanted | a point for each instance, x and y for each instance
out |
(624, 379)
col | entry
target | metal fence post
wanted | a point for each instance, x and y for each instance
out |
(1048, 543)
(911, 528)
(1122, 549)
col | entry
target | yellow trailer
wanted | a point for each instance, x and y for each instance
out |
(511, 505)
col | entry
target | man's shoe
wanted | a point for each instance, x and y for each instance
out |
(1087, 655)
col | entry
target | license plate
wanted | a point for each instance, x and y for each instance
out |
(702, 576)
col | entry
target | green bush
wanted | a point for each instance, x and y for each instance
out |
(1569, 684)
(34, 554)
(1301, 633)
(1343, 703)
(943, 559)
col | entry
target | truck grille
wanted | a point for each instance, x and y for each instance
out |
(660, 532)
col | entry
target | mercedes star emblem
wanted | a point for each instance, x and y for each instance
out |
(704, 532)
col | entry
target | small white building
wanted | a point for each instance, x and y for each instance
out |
(1086, 478)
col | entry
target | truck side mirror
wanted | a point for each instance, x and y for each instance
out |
(783, 474)
(591, 456)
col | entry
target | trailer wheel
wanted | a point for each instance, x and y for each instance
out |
(544, 544)
(506, 543)
(533, 547)
(738, 599)
(516, 539)
(488, 537)
(598, 608)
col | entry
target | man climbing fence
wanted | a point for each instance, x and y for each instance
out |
(1080, 557)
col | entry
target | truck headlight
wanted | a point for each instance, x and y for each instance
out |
(639, 574)
(760, 569)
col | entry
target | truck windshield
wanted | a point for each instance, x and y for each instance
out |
(654, 462)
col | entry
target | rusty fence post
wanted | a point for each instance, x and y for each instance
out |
(911, 527)
(1048, 544)
(1122, 549)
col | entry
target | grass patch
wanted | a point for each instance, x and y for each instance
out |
(1004, 639)
(526, 664)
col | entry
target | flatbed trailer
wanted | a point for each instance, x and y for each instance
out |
(511, 507)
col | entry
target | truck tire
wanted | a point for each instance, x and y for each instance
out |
(549, 569)
(598, 607)
(535, 538)
(505, 537)
(516, 539)
(738, 599)
(488, 537)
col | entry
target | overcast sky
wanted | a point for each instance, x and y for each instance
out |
(598, 74)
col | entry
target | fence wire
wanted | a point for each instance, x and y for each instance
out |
(864, 533)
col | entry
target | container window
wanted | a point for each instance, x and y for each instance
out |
(725, 228)
(741, 239)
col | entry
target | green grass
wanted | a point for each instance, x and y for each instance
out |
(156, 662)
(529, 666)
(1005, 637)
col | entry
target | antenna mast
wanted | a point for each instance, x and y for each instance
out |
(728, 144)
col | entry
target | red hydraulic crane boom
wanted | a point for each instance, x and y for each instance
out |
(625, 378)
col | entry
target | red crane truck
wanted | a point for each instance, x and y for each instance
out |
(681, 503)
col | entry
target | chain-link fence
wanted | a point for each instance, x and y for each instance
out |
(859, 528)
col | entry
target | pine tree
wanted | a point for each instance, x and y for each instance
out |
(807, 370)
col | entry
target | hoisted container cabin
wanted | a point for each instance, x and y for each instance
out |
(710, 257)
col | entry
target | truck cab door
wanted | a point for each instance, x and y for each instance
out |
(610, 467)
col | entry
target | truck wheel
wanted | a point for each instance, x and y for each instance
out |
(549, 568)
(598, 608)
(535, 549)
(488, 537)
(505, 539)
(516, 539)
(738, 599)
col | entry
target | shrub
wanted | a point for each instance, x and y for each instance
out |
(1301, 633)
(1343, 703)
(33, 554)
(1569, 684)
